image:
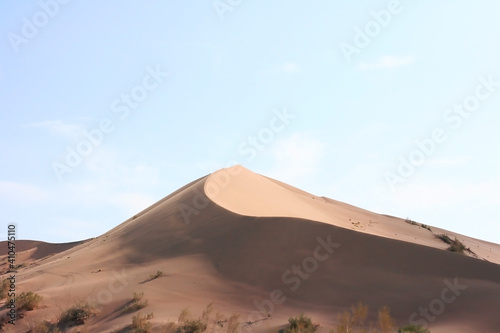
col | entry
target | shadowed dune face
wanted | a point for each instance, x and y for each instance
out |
(284, 254)
(281, 265)
(246, 193)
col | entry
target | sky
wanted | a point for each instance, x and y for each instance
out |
(107, 107)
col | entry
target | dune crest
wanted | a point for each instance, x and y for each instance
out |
(244, 192)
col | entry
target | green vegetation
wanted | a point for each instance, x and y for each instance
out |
(166, 328)
(186, 324)
(136, 303)
(411, 222)
(155, 276)
(300, 324)
(413, 329)
(205, 316)
(183, 316)
(349, 321)
(353, 321)
(455, 245)
(425, 226)
(141, 324)
(44, 327)
(233, 323)
(27, 301)
(137, 297)
(4, 289)
(78, 314)
(192, 326)
(385, 321)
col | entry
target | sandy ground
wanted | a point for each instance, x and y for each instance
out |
(265, 250)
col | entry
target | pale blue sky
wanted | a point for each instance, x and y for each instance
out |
(65, 68)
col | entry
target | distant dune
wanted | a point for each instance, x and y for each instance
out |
(268, 251)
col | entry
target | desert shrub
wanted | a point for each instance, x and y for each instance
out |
(445, 238)
(355, 318)
(27, 301)
(418, 224)
(410, 221)
(205, 316)
(136, 303)
(300, 324)
(76, 315)
(455, 245)
(192, 326)
(183, 316)
(385, 321)
(4, 289)
(156, 275)
(19, 266)
(205, 323)
(219, 319)
(426, 227)
(187, 325)
(137, 297)
(233, 323)
(413, 329)
(354, 321)
(166, 328)
(141, 324)
(44, 327)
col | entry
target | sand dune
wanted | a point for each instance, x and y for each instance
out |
(256, 246)
(244, 192)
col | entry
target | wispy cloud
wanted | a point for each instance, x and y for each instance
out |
(387, 62)
(58, 127)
